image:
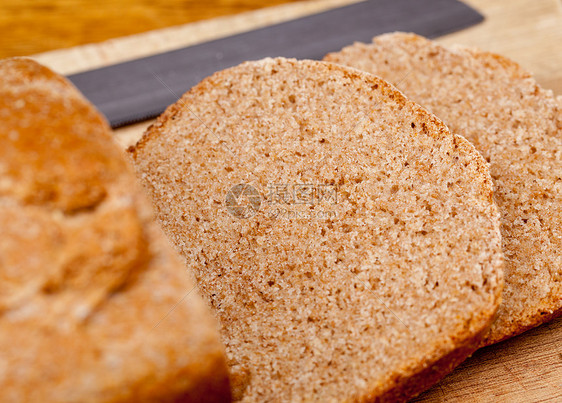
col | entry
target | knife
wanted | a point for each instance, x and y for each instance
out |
(141, 89)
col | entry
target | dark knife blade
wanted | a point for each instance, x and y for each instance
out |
(141, 89)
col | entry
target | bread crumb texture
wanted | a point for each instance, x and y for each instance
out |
(375, 301)
(86, 277)
(517, 126)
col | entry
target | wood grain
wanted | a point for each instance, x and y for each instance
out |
(527, 368)
(32, 26)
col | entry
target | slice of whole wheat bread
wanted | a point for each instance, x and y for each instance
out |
(94, 302)
(347, 241)
(517, 126)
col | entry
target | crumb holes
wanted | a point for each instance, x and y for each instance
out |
(322, 141)
(525, 220)
(308, 274)
(197, 219)
(310, 319)
(394, 189)
(271, 283)
(228, 169)
(292, 99)
(266, 155)
(413, 125)
(322, 231)
(375, 87)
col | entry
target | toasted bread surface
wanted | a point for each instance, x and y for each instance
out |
(95, 304)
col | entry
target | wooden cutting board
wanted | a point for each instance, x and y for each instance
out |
(527, 368)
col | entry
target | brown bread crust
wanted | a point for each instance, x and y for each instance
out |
(407, 387)
(94, 304)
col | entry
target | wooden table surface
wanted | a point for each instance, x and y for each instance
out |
(527, 368)
(33, 26)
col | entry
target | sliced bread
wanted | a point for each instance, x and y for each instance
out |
(95, 305)
(517, 126)
(347, 241)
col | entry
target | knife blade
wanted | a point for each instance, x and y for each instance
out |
(141, 89)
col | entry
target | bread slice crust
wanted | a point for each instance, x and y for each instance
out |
(90, 285)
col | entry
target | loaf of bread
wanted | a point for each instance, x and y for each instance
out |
(347, 241)
(517, 126)
(95, 304)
